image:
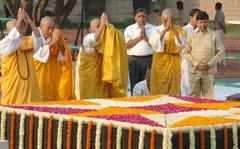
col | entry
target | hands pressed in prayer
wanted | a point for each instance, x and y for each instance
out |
(168, 24)
(202, 65)
(20, 19)
(55, 35)
(104, 19)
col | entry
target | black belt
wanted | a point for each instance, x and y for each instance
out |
(141, 56)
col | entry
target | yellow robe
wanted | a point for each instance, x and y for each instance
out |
(19, 83)
(56, 77)
(166, 68)
(104, 74)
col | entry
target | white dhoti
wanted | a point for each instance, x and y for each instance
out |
(185, 85)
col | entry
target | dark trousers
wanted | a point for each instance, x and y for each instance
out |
(137, 66)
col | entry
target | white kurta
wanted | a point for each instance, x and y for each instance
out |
(185, 85)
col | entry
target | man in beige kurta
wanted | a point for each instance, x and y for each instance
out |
(203, 51)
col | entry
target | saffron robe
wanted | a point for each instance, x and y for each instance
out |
(19, 83)
(104, 73)
(166, 66)
(55, 77)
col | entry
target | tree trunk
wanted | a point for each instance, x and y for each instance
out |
(36, 12)
(62, 11)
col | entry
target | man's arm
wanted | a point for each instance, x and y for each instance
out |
(10, 43)
(219, 52)
(103, 21)
(187, 53)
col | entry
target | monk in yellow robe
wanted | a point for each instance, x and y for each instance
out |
(166, 69)
(102, 62)
(54, 64)
(19, 84)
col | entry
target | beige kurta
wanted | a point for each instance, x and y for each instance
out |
(205, 47)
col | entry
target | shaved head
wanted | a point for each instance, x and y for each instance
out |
(47, 20)
(47, 25)
(94, 24)
(10, 25)
(167, 13)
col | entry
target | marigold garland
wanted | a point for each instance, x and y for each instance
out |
(89, 135)
(79, 135)
(40, 131)
(202, 139)
(3, 124)
(141, 139)
(69, 133)
(98, 136)
(31, 124)
(21, 131)
(225, 136)
(235, 137)
(119, 137)
(13, 118)
(213, 138)
(49, 139)
(192, 140)
(130, 133)
(59, 134)
(109, 140)
(180, 139)
(153, 136)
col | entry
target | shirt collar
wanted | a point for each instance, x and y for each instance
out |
(190, 26)
(198, 31)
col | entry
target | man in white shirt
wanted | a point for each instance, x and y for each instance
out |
(138, 48)
(192, 24)
(142, 88)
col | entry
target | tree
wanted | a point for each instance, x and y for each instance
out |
(36, 9)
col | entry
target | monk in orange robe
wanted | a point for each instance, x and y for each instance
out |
(55, 74)
(19, 83)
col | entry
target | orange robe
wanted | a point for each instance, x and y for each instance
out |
(56, 77)
(166, 68)
(104, 74)
(19, 83)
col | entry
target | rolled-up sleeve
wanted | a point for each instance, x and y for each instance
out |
(10, 43)
(41, 51)
(89, 43)
(127, 34)
(156, 43)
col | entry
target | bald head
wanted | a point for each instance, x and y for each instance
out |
(94, 24)
(167, 13)
(10, 25)
(47, 25)
(47, 20)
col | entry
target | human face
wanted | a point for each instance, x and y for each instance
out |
(202, 25)
(95, 25)
(164, 20)
(141, 18)
(193, 20)
(47, 28)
